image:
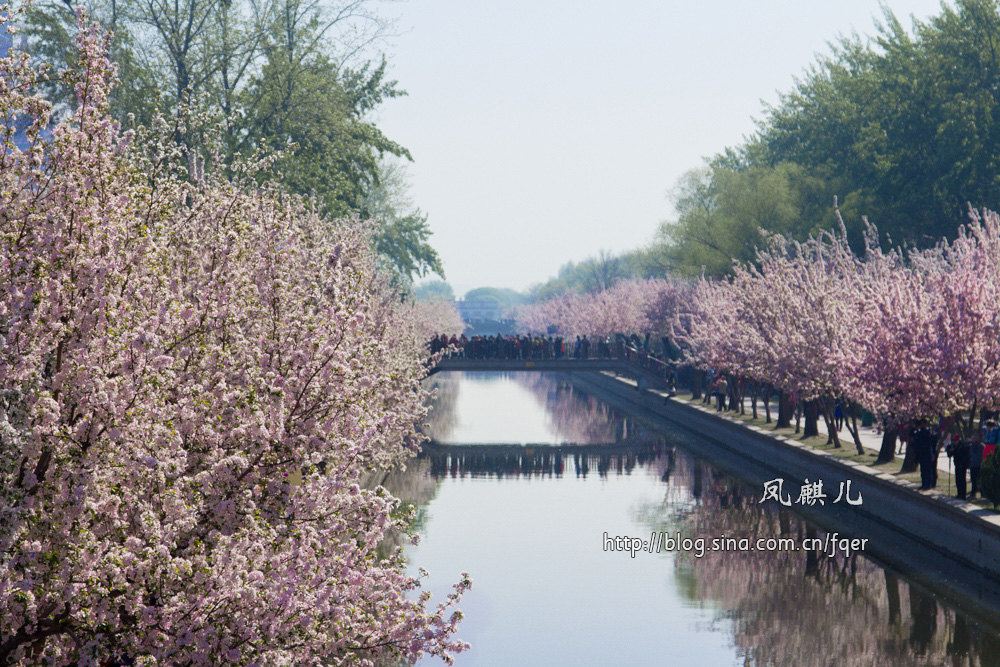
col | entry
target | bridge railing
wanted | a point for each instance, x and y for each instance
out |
(639, 357)
(618, 349)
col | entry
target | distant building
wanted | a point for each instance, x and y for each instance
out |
(479, 310)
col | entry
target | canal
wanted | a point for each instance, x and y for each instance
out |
(525, 477)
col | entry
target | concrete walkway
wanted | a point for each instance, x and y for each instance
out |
(871, 439)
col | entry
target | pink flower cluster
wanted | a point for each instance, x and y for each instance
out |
(628, 306)
(196, 377)
(434, 317)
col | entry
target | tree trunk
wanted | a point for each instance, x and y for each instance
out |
(887, 452)
(753, 400)
(784, 411)
(972, 417)
(852, 428)
(856, 432)
(833, 437)
(696, 378)
(923, 620)
(812, 559)
(811, 411)
(767, 404)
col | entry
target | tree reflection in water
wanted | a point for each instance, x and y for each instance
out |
(576, 416)
(443, 405)
(579, 417)
(795, 608)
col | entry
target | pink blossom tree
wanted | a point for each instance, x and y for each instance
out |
(930, 339)
(810, 308)
(437, 316)
(901, 333)
(628, 306)
(721, 329)
(195, 376)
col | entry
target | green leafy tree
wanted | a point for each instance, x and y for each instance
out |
(282, 75)
(434, 290)
(720, 212)
(305, 105)
(906, 119)
(51, 26)
(316, 111)
(402, 234)
(593, 274)
(901, 127)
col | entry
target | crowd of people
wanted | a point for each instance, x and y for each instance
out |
(539, 347)
(967, 453)
(966, 449)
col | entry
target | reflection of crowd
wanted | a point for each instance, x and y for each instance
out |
(546, 347)
(460, 461)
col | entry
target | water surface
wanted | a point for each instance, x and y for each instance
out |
(527, 473)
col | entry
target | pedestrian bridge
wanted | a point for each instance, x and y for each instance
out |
(655, 373)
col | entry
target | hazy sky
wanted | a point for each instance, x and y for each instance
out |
(544, 131)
